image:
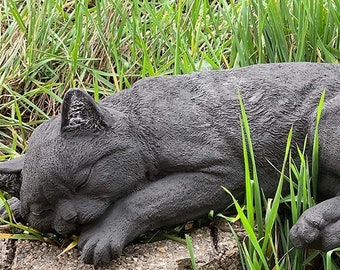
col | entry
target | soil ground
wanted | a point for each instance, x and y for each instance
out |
(215, 251)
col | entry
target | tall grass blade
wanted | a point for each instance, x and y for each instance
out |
(250, 232)
(272, 215)
(191, 251)
(315, 154)
(254, 185)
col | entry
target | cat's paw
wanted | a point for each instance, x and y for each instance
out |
(318, 227)
(99, 246)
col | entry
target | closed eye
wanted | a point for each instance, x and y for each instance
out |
(87, 177)
(84, 182)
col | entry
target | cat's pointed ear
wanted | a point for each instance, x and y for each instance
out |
(10, 175)
(81, 113)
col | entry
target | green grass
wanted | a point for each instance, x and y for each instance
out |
(46, 47)
(267, 244)
(191, 251)
(104, 46)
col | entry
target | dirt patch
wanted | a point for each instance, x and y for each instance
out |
(217, 250)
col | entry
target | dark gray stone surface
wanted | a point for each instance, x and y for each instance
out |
(158, 153)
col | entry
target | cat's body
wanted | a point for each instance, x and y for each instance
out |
(158, 153)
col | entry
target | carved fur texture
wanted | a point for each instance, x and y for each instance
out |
(158, 153)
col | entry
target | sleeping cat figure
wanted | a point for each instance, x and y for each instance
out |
(157, 154)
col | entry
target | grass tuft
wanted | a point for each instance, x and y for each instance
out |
(105, 46)
(268, 246)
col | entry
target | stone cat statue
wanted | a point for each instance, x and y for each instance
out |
(158, 153)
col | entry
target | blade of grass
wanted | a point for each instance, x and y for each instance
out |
(315, 153)
(191, 251)
(250, 230)
(256, 186)
(272, 215)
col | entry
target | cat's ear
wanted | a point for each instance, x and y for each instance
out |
(10, 175)
(81, 113)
